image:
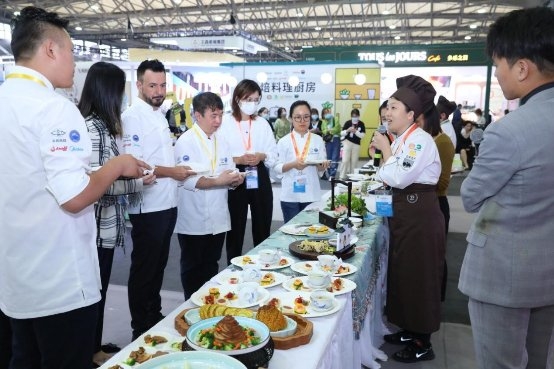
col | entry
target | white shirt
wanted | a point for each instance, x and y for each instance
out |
(414, 161)
(251, 136)
(203, 211)
(48, 262)
(448, 128)
(147, 137)
(286, 153)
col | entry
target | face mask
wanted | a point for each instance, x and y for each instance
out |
(283, 115)
(248, 107)
(265, 116)
(355, 120)
(329, 116)
(315, 117)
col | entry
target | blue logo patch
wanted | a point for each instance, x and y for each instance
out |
(74, 136)
(135, 138)
(186, 158)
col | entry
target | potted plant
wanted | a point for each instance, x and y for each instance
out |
(357, 205)
(344, 93)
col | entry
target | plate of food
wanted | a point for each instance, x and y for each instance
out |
(294, 229)
(228, 295)
(230, 335)
(281, 262)
(310, 249)
(357, 176)
(341, 270)
(299, 303)
(318, 231)
(269, 279)
(338, 285)
(194, 359)
(142, 354)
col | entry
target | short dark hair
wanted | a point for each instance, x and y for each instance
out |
(280, 111)
(261, 110)
(243, 89)
(383, 106)
(314, 111)
(355, 112)
(152, 64)
(102, 95)
(30, 28)
(524, 33)
(297, 103)
(206, 100)
(432, 122)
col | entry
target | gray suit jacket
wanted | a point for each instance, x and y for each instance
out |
(509, 260)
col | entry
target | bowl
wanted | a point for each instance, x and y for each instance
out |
(356, 222)
(289, 330)
(192, 316)
(322, 300)
(260, 328)
(194, 359)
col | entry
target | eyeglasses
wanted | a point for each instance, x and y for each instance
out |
(300, 118)
(254, 100)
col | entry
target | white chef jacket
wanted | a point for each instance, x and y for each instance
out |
(286, 153)
(257, 133)
(414, 161)
(147, 137)
(203, 211)
(48, 257)
(448, 128)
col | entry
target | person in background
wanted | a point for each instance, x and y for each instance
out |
(481, 121)
(457, 125)
(417, 238)
(100, 105)
(300, 183)
(282, 124)
(446, 108)
(353, 131)
(176, 118)
(382, 121)
(203, 216)
(508, 269)
(430, 123)
(467, 148)
(50, 284)
(146, 135)
(254, 151)
(315, 122)
(331, 128)
(263, 112)
(5, 340)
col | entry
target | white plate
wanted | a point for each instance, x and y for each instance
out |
(294, 229)
(327, 234)
(347, 286)
(229, 278)
(241, 261)
(314, 161)
(357, 176)
(193, 359)
(305, 267)
(286, 300)
(198, 297)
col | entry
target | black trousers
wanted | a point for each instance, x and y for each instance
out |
(445, 209)
(260, 201)
(105, 261)
(5, 340)
(199, 259)
(151, 235)
(61, 341)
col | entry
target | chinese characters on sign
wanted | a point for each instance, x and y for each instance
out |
(284, 87)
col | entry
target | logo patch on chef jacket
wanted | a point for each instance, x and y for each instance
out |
(57, 132)
(408, 162)
(74, 136)
(314, 150)
(186, 158)
(418, 147)
(223, 161)
(412, 198)
(135, 138)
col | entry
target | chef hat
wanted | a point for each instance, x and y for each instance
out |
(445, 106)
(416, 93)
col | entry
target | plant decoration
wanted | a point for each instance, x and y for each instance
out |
(344, 92)
(327, 105)
(341, 204)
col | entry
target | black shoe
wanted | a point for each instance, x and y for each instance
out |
(414, 352)
(110, 348)
(398, 338)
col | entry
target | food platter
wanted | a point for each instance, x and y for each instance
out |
(234, 278)
(294, 229)
(305, 267)
(295, 250)
(346, 286)
(318, 231)
(287, 302)
(357, 177)
(244, 260)
(198, 298)
(194, 359)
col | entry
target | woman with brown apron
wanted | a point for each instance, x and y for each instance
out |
(411, 167)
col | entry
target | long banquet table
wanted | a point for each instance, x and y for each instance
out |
(357, 328)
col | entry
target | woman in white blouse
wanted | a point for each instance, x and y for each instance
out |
(301, 162)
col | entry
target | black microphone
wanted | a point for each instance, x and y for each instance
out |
(377, 157)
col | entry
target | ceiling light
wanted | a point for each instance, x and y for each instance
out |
(482, 10)
(473, 26)
(268, 40)
(467, 37)
(78, 28)
(218, 18)
(307, 46)
(123, 39)
(331, 38)
(318, 28)
(95, 7)
(287, 48)
(359, 79)
(397, 37)
(392, 26)
(299, 14)
(232, 19)
(386, 12)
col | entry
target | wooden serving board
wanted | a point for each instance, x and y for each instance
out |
(312, 255)
(180, 323)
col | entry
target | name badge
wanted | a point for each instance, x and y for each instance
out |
(383, 203)
(251, 178)
(299, 184)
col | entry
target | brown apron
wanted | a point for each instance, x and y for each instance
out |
(416, 258)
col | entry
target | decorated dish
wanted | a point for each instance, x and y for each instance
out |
(245, 260)
(338, 285)
(227, 295)
(305, 267)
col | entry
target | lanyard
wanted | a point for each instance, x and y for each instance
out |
(304, 150)
(26, 76)
(247, 144)
(211, 155)
(404, 138)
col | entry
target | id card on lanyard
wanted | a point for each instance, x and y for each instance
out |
(299, 184)
(251, 178)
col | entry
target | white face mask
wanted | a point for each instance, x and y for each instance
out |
(248, 107)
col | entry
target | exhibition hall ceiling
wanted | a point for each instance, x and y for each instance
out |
(284, 27)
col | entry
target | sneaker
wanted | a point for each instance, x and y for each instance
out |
(398, 338)
(414, 352)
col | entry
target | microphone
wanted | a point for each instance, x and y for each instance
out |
(378, 154)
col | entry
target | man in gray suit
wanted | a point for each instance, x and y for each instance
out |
(508, 269)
